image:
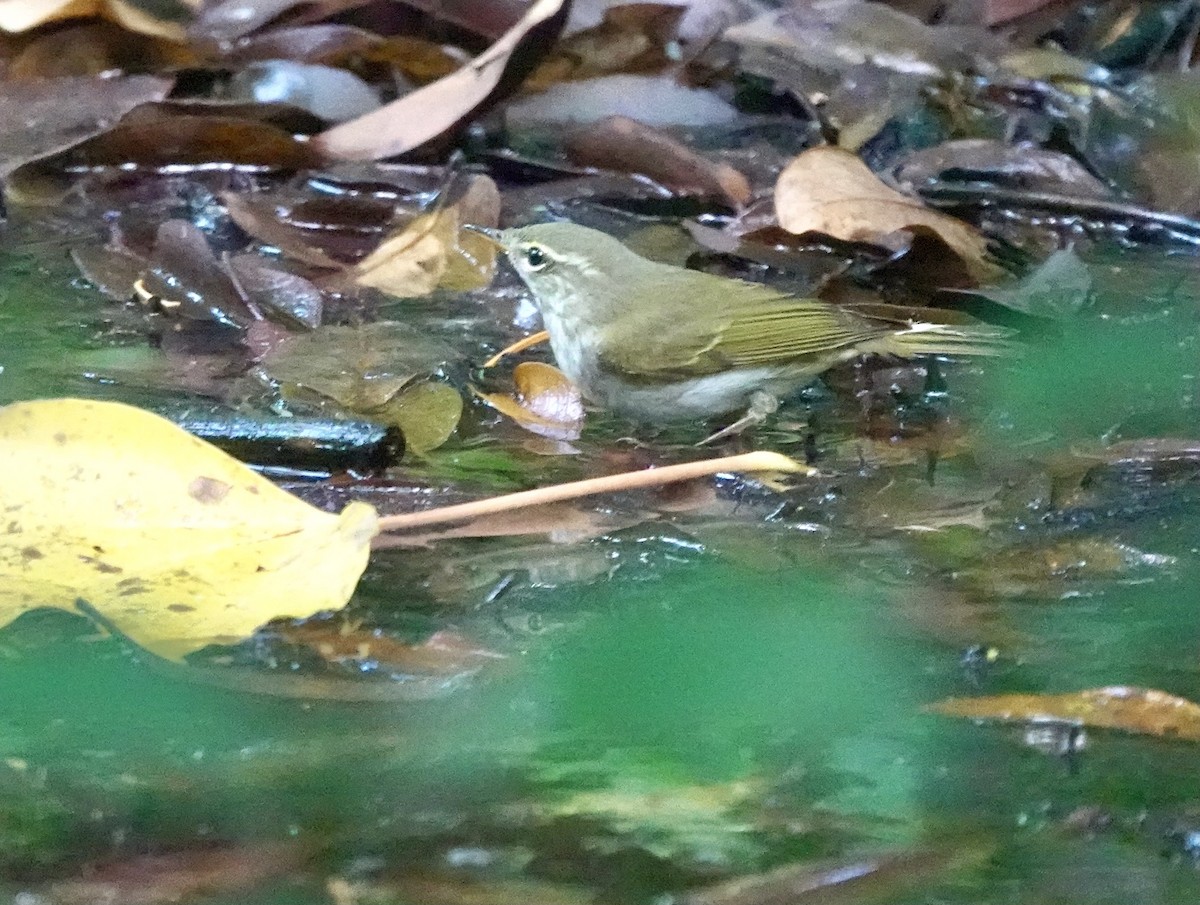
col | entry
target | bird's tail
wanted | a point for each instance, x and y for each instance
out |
(949, 339)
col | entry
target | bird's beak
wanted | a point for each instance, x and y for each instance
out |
(493, 235)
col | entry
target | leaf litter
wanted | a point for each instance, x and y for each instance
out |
(307, 283)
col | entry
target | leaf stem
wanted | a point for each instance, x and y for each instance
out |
(628, 480)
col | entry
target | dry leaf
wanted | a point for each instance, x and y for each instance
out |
(1142, 711)
(546, 402)
(179, 544)
(831, 191)
(435, 109)
(433, 250)
(22, 15)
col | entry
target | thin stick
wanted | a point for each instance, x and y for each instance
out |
(629, 480)
(519, 346)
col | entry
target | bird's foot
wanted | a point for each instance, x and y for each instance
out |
(762, 406)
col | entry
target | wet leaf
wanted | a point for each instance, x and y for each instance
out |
(96, 49)
(436, 109)
(653, 100)
(159, 140)
(360, 368)
(626, 145)
(178, 875)
(273, 290)
(186, 277)
(546, 402)
(1141, 711)
(427, 413)
(307, 43)
(1019, 166)
(866, 879)
(831, 191)
(1057, 289)
(177, 543)
(47, 116)
(443, 653)
(263, 220)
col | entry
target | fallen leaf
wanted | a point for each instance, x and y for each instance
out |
(1058, 288)
(55, 114)
(23, 15)
(179, 544)
(427, 414)
(435, 109)
(832, 191)
(546, 402)
(628, 146)
(630, 38)
(865, 879)
(176, 876)
(434, 251)
(442, 653)
(360, 368)
(1141, 711)
(657, 100)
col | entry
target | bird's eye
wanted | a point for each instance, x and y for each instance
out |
(536, 258)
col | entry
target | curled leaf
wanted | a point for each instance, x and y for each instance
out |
(433, 250)
(546, 402)
(831, 191)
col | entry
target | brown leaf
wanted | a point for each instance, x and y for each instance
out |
(93, 49)
(23, 15)
(155, 139)
(831, 191)
(444, 653)
(434, 110)
(1142, 711)
(274, 224)
(630, 38)
(273, 289)
(546, 402)
(175, 876)
(47, 116)
(305, 43)
(433, 250)
(626, 145)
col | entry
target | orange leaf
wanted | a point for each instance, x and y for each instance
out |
(1142, 711)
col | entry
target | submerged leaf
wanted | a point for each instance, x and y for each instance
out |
(360, 368)
(427, 414)
(179, 544)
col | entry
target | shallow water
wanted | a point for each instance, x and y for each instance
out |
(680, 702)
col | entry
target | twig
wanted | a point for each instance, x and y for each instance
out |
(629, 480)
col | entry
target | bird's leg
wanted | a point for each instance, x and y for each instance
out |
(762, 406)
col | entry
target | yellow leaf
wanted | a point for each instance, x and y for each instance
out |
(830, 190)
(176, 542)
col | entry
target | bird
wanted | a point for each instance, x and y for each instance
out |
(660, 343)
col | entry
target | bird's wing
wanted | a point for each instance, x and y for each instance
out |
(689, 333)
